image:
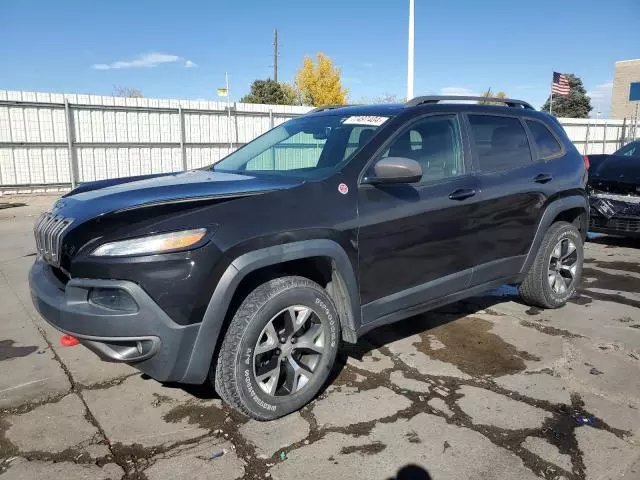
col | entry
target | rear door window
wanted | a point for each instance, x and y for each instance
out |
(546, 143)
(500, 142)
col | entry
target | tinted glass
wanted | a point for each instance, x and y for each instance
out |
(630, 150)
(357, 138)
(435, 143)
(308, 146)
(501, 142)
(545, 141)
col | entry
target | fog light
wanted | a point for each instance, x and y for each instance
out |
(113, 299)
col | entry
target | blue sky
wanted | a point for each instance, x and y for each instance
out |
(182, 49)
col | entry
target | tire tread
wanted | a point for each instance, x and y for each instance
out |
(223, 374)
(532, 290)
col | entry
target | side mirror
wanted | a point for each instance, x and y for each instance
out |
(395, 170)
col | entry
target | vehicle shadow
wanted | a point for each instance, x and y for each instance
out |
(615, 242)
(382, 336)
(412, 472)
(203, 391)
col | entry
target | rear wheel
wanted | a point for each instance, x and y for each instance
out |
(557, 269)
(279, 348)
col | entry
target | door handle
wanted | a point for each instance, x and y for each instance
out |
(462, 193)
(543, 178)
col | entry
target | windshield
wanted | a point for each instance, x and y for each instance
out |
(308, 146)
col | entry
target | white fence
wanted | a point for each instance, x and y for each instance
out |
(53, 141)
(591, 136)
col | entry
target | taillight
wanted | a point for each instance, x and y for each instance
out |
(587, 164)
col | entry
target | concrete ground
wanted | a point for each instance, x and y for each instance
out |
(486, 388)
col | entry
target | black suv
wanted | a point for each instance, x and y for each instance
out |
(252, 271)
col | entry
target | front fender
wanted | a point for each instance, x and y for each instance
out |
(213, 320)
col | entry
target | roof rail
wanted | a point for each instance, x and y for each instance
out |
(327, 107)
(510, 102)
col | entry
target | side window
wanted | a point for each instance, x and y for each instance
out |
(435, 143)
(501, 142)
(546, 143)
(357, 138)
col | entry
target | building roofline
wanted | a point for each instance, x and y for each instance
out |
(628, 61)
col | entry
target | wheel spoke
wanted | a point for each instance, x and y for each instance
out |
(570, 249)
(297, 375)
(271, 376)
(570, 269)
(561, 286)
(270, 342)
(295, 318)
(557, 252)
(312, 339)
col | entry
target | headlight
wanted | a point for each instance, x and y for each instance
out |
(164, 242)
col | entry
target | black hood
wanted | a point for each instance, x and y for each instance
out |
(98, 198)
(614, 169)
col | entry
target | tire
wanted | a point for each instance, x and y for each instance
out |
(537, 289)
(248, 351)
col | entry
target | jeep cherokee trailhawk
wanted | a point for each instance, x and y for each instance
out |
(251, 272)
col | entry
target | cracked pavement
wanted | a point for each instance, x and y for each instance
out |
(484, 388)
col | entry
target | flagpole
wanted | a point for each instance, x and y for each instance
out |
(551, 98)
(410, 49)
(226, 82)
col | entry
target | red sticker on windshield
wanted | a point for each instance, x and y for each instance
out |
(343, 189)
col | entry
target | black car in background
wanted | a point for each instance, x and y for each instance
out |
(614, 192)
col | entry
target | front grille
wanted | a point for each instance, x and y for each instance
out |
(617, 187)
(48, 231)
(631, 225)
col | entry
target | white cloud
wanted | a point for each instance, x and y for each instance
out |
(601, 91)
(601, 98)
(458, 91)
(190, 64)
(147, 60)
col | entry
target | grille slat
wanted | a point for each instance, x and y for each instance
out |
(48, 231)
(631, 225)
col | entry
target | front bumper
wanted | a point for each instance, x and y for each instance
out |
(615, 215)
(621, 226)
(147, 339)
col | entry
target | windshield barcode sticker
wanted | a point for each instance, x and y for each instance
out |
(372, 120)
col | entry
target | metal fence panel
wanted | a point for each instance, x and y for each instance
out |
(54, 141)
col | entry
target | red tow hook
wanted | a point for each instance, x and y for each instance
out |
(69, 341)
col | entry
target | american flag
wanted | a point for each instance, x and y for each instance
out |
(560, 84)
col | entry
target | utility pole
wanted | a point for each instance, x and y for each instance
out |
(275, 55)
(410, 53)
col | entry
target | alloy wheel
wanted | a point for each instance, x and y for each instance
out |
(563, 265)
(288, 351)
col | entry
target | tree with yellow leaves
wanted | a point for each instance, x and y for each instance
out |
(319, 84)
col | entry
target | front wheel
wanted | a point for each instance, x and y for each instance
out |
(279, 348)
(557, 268)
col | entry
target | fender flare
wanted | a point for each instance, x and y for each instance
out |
(214, 316)
(555, 208)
